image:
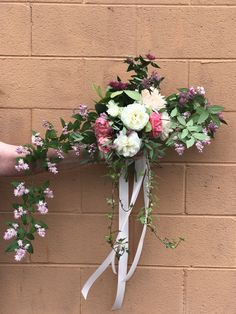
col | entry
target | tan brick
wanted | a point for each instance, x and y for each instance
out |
(203, 32)
(73, 239)
(222, 148)
(211, 190)
(211, 291)
(38, 290)
(40, 115)
(80, 30)
(96, 187)
(138, 1)
(7, 257)
(15, 29)
(218, 79)
(164, 295)
(208, 242)
(15, 126)
(213, 2)
(168, 192)
(41, 83)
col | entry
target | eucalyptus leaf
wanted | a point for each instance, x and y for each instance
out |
(117, 93)
(190, 142)
(133, 94)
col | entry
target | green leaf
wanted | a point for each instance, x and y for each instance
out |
(11, 247)
(98, 90)
(200, 136)
(190, 142)
(203, 116)
(194, 128)
(184, 133)
(117, 93)
(181, 120)
(133, 94)
(148, 127)
(190, 123)
(215, 109)
(30, 236)
(174, 112)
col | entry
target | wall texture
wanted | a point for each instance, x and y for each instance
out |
(50, 53)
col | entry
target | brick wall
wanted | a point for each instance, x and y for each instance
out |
(50, 53)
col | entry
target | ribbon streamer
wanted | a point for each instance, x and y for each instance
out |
(125, 209)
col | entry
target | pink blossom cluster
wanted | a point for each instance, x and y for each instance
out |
(103, 132)
(41, 231)
(18, 213)
(37, 140)
(21, 189)
(42, 207)
(22, 150)
(21, 165)
(48, 193)
(52, 167)
(21, 250)
(11, 232)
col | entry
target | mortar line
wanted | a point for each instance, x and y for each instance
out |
(118, 58)
(187, 5)
(92, 265)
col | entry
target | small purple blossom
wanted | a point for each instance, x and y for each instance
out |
(20, 254)
(42, 207)
(18, 213)
(92, 149)
(220, 115)
(48, 193)
(47, 125)
(65, 129)
(201, 90)
(118, 85)
(212, 127)
(21, 165)
(192, 92)
(60, 154)
(21, 189)
(150, 57)
(186, 114)
(22, 150)
(146, 83)
(41, 231)
(83, 110)
(129, 60)
(199, 146)
(77, 147)
(37, 140)
(52, 167)
(179, 148)
(10, 233)
(155, 76)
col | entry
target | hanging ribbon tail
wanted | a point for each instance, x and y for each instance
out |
(122, 239)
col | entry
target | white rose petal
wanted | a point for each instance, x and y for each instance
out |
(166, 123)
(134, 116)
(128, 146)
(113, 109)
(153, 100)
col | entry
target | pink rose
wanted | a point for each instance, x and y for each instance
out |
(104, 144)
(102, 127)
(156, 123)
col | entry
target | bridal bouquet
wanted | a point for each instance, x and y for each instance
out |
(132, 127)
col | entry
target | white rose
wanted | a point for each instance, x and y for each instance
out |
(113, 109)
(153, 100)
(134, 116)
(127, 146)
(166, 123)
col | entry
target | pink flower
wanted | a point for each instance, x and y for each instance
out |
(10, 233)
(20, 253)
(42, 207)
(156, 123)
(102, 126)
(104, 144)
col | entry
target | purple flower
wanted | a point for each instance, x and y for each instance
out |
(201, 90)
(59, 154)
(20, 253)
(212, 127)
(150, 57)
(179, 148)
(18, 213)
(21, 190)
(48, 193)
(186, 114)
(117, 85)
(41, 231)
(155, 76)
(83, 110)
(10, 233)
(129, 60)
(47, 125)
(42, 207)
(37, 140)
(146, 83)
(199, 146)
(92, 149)
(65, 129)
(21, 165)
(22, 150)
(220, 115)
(191, 92)
(77, 148)
(52, 167)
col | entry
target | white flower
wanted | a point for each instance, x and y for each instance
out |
(134, 116)
(166, 123)
(128, 146)
(113, 109)
(153, 100)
